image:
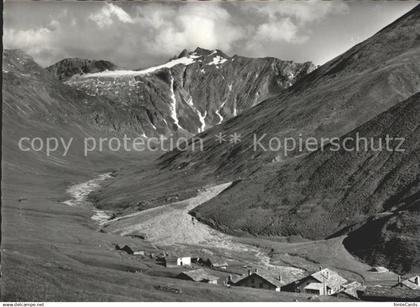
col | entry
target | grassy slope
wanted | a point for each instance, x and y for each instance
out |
(303, 198)
(52, 252)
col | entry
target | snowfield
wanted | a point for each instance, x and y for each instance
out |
(131, 73)
(217, 60)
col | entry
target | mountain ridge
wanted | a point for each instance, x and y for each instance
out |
(321, 104)
(194, 91)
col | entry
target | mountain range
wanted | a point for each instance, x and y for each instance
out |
(371, 90)
(187, 95)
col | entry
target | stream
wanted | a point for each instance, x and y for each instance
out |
(172, 226)
(79, 193)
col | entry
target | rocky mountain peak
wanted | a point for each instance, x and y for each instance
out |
(183, 53)
(66, 68)
(201, 51)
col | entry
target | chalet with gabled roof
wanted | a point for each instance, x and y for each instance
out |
(412, 283)
(200, 275)
(322, 282)
(260, 280)
(351, 290)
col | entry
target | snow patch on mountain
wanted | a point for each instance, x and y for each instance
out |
(153, 126)
(201, 117)
(174, 116)
(202, 120)
(188, 60)
(218, 113)
(217, 60)
(235, 112)
(190, 102)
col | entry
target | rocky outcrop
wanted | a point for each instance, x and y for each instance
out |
(67, 68)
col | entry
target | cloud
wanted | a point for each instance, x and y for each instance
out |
(173, 29)
(105, 17)
(302, 12)
(283, 29)
(33, 41)
(147, 35)
(141, 34)
(287, 21)
(26, 38)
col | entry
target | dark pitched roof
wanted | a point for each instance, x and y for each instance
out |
(171, 259)
(411, 283)
(352, 288)
(125, 248)
(270, 279)
(199, 275)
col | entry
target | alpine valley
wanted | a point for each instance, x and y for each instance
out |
(95, 227)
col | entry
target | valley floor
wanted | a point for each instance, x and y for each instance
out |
(52, 249)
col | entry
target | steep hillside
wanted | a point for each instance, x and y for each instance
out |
(33, 98)
(37, 105)
(391, 240)
(193, 91)
(325, 192)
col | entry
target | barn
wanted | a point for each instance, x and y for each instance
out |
(260, 281)
(322, 282)
(125, 248)
(200, 275)
(351, 291)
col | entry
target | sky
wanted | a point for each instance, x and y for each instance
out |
(142, 34)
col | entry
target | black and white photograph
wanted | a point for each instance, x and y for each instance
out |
(210, 151)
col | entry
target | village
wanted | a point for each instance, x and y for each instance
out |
(188, 250)
(319, 283)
